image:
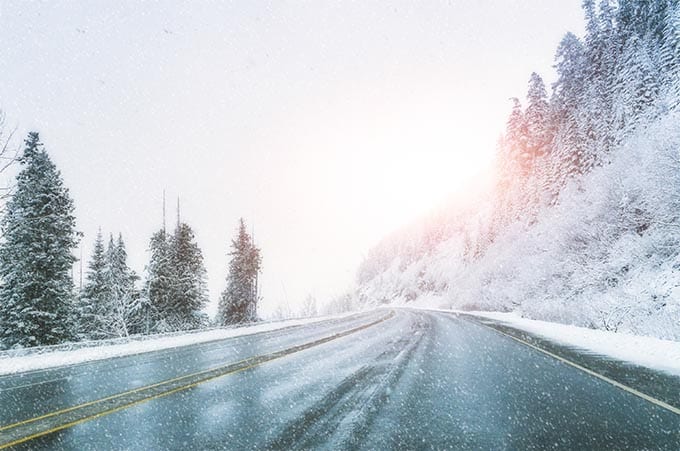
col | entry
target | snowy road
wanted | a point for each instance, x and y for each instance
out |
(379, 380)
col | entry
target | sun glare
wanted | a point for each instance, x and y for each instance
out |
(419, 168)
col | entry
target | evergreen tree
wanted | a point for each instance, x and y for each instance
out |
(537, 117)
(159, 283)
(238, 303)
(511, 165)
(596, 113)
(638, 84)
(110, 303)
(123, 314)
(94, 297)
(670, 54)
(657, 21)
(189, 284)
(37, 305)
(514, 147)
(623, 74)
(568, 96)
(642, 18)
(516, 131)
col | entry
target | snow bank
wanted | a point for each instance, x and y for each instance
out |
(44, 358)
(655, 353)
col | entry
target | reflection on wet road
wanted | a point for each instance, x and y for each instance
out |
(410, 380)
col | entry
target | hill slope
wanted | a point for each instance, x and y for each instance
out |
(581, 224)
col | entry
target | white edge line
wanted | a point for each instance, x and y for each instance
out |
(637, 393)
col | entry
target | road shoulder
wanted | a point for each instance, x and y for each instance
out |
(651, 382)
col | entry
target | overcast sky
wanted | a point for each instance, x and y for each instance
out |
(325, 124)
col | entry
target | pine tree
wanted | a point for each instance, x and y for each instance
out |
(123, 314)
(238, 303)
(511, 165)
(94, 297)
(567, 98)
(657, 21)
(159, 283)
(596, 124)
(670, 54)
(37, 305)
(515, 140)
(516, 130)
(638, 84)
(110, 304)
(189, 284)
(537, 117)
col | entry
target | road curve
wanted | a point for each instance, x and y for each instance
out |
(379, 380)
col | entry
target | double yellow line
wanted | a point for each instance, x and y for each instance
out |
(23, 431)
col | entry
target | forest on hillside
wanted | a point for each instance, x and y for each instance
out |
(582, 223)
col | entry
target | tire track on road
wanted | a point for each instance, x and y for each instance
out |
(26, 430)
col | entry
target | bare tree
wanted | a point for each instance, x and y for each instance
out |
(9, 155)
(309, 307)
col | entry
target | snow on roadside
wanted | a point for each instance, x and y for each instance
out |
(655, 353)
(30, 362)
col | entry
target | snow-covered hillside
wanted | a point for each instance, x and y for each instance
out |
(582, 223)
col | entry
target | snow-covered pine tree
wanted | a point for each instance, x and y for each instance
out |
(94, 297)
(610, 57)
(638, 84)
(540, 133)
(567, 97)
(537, 117)
(511, 175)
(670, 55)
(516, 132)
(596, 113)
(158, 288)
(657, 20)
(189, 284)
(37, 305)
(124, 313)
(238, 303)
(642, 18)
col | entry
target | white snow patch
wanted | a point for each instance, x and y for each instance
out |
(650, 352)
(51, 359)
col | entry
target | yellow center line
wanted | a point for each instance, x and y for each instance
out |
(125, 406)
(257, 361)
(157, 352)
(117, 395)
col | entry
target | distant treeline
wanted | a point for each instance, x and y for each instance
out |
(39, 304)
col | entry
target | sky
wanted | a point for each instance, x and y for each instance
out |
(326, 125)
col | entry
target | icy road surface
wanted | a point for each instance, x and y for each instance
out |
(379, 380)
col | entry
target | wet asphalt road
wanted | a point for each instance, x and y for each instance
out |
(418, 380)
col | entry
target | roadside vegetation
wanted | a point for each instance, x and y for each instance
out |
(580, 223)
(39, 302)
